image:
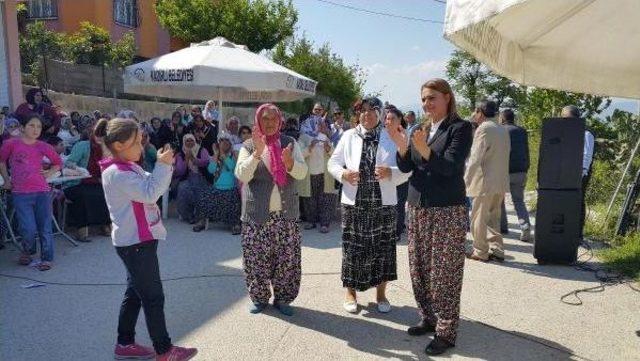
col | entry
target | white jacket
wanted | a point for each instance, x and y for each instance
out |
(348, 153)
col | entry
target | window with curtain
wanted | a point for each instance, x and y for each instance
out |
(42, 9)
(125, 12)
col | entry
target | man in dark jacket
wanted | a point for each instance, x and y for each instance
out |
(518, 167)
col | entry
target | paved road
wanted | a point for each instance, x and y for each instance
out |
(510, 311)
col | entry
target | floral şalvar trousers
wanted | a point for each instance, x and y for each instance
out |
(436, 262)
(271, 257)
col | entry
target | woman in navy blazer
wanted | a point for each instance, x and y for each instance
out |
(436, 152)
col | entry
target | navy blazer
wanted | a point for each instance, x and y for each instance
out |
(439, 181)
(519, 156)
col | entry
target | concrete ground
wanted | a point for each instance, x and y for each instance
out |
(510, 311)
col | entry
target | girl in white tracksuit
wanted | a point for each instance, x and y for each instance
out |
(131, 195)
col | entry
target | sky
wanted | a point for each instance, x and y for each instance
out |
(398, 54)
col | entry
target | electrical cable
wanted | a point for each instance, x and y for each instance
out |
(605, 276)
(219, 275)
(382, 13)
(511, 333)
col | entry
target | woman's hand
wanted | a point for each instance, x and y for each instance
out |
(382, 173)
(398, 136)
(351, 176)
(327, 147)
(46, 173)
(259, 142)
(419, 141)
(165, 155)
(287, 157)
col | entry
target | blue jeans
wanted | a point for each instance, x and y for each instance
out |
(34, 213)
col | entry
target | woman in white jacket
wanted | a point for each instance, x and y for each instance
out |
(364, 161)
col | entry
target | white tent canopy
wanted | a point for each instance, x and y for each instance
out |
(588, 46)
(217, 69)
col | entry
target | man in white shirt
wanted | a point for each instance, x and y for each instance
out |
(571, 111)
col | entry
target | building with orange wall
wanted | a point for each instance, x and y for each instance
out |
(10, 78)
(116, 16)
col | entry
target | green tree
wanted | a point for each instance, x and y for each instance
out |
(542, 103)
(39, 42)
(90, 45)
(341, 82)
(473, 81)
(123, 51)
(258, 24)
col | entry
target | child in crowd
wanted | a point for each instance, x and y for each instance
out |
(59, 146)
(30, 191)
(131, 195)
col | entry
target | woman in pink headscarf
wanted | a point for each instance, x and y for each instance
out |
(268, 166)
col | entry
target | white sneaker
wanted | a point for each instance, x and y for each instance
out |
(384, 307)
(350, 306)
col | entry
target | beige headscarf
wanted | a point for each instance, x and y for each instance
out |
(196, 148)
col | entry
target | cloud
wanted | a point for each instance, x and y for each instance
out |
(400, 85)
(415, 48)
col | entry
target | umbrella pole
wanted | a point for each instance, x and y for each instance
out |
(220, 116)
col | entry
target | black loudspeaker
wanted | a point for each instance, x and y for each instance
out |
(557, 234)
(561, 147)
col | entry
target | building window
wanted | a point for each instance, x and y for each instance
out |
(42, 9)
(125, 12)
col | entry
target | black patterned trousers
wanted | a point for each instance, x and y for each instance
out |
(436, 260)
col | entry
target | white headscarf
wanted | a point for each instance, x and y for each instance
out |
(196, 147)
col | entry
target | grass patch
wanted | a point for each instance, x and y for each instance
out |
(624, 255)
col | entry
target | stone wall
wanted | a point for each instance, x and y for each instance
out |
(144, 109)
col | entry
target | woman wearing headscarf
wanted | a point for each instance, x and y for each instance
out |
(245, 134)
(189, 176)
(210, 112)
(68, 133)
(232, 128)
(364, 162)
(176, 128)
(438, 216)
(159, 134)
(220, 202)
(85, 126)
(12, 128)
(268, 166)
(87, 206)
(205, 133)
(35, 104)
(317, 191)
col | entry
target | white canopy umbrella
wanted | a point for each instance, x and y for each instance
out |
(217, 69)
(587, 46)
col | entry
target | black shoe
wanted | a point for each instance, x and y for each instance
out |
(493, 257)
(421, 329)
(199, 228)
(438, 346)
(309, 226)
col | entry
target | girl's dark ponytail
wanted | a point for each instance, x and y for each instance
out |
(100, 129)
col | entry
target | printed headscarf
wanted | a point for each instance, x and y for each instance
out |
(277, 168)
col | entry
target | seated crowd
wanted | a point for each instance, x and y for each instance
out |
(204, 187)
(40, 141)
